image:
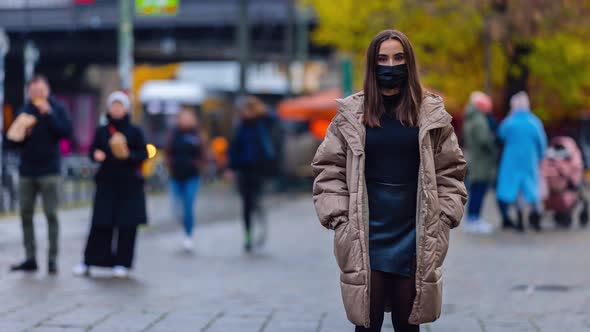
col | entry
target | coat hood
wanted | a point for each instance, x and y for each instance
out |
(432, 109)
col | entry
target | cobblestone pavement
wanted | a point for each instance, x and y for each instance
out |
(504, 282)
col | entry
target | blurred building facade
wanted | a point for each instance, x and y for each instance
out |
(78, 49)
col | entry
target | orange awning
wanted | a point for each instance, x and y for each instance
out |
(319, 127)
(314, 107)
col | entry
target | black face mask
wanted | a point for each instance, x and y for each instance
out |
(391, 77)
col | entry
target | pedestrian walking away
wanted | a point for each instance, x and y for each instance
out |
(37, 130)
(519, 179)
(252, 155)
(480, 143)
(186, 155)
(389, 182)
(119, 203)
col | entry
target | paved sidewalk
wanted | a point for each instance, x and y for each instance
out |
(292, 285)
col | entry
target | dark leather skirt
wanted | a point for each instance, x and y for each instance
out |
(392, 226)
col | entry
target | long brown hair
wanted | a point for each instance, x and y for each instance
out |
(410, 92)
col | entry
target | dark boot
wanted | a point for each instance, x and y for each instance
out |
(30, 265)
(507, 224)
(248, 243)
(535, 221)
(52, 267)
(584, 215)
(519, 227)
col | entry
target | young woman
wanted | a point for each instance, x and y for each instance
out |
(119, 202)
(389, 182)
(185, 155)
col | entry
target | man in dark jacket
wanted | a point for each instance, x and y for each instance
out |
(40, 169)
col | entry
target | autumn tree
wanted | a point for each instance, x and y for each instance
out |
(545, 44)
(535, 45)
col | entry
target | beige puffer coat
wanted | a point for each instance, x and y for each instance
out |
(341, 202)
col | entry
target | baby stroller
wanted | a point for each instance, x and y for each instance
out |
(563, 176)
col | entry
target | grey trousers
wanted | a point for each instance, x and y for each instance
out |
(29, 187)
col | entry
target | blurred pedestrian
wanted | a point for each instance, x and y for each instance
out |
(119, 203)
(480, 142)
(584, 138)
(186, 155)
(390, 165)
(253, 157)
(39, 126)
(525, 141)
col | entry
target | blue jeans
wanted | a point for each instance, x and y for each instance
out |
(184, 193)
(477, 193)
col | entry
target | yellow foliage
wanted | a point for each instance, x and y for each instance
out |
(448, 37)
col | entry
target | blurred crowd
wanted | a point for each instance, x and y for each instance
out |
(120, 152)
(530, 175)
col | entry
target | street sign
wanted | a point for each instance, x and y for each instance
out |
(156, 7)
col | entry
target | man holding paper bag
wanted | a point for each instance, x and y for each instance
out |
(39, 126)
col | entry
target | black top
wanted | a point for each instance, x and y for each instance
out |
(252, 148)
(391, 169)
(185, 152)
(40, 154)
(392, 152)
(120, 198)
(113, 169)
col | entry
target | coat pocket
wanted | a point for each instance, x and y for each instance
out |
(431, 307)
(442, 246)
(346, 249)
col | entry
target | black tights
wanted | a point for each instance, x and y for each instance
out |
(398, 290)
(250, 187)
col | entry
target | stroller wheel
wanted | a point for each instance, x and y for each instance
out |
(563, 220)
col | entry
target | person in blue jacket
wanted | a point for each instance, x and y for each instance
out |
(525, 141)
(253, 156)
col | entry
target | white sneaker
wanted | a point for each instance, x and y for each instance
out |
(81, 270)
(479, 226)
(187, 244)
(469, 225)
(120, 272)
(485, 227)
